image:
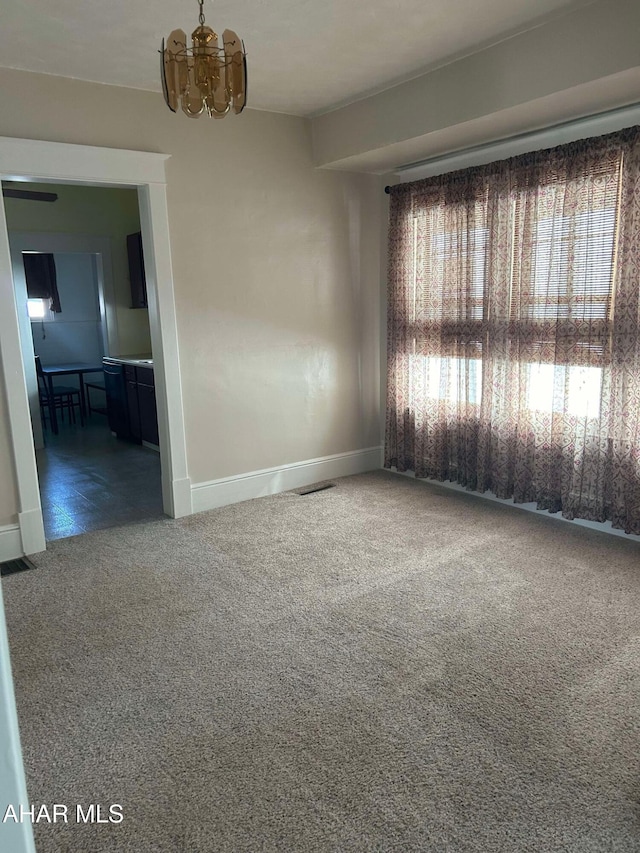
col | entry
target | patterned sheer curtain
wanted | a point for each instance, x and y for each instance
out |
(514, 329)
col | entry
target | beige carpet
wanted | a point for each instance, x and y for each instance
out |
(382, 666)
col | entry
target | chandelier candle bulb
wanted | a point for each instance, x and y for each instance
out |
(204, 77)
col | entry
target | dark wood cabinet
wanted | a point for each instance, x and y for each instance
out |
(145, 375)
(115, 387)
(141, 398)
(131, 405)
(148, 413)
(136, 271)
(134, 410)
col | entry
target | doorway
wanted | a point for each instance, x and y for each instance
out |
(88, 478)
(86, 166)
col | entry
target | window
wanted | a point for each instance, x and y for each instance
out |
(582, 292)
(556, 312)
(557, 388)
(450, 379)
(514, 328)
(38, 309)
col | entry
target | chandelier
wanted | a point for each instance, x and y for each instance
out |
(204, 77)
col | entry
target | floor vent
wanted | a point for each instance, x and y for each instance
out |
(321, 487)
(12, 566)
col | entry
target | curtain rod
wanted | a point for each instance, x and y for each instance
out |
(596, 124)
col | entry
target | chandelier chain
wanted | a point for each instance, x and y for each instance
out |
(201, 16)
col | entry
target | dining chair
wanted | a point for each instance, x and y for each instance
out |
(63, 397)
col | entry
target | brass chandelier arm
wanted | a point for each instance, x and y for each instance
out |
(213, 51)
(219, 113)
(190, 113)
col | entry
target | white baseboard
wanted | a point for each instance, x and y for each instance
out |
(257, 484)
(602, 526)
(32, 531)
(10, 543)
(182, 498)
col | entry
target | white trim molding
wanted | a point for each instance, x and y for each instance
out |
(15, 382)
(270, 481)
(32, 530)
(10, 542)
(61, 162)
(154, 222)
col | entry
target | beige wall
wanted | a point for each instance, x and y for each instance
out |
(99, 212)
(276, 271)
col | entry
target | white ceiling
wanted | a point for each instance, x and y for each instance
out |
(304, 56)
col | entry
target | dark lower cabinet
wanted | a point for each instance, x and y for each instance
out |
(115, 387)
(148, 413)
(131, 402)
(134, 410)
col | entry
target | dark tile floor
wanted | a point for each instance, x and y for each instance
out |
(90, 480)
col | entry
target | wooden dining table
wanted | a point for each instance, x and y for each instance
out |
(74, 368)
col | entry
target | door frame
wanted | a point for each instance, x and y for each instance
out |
(53, 162)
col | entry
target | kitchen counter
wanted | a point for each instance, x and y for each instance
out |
(136, 360)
